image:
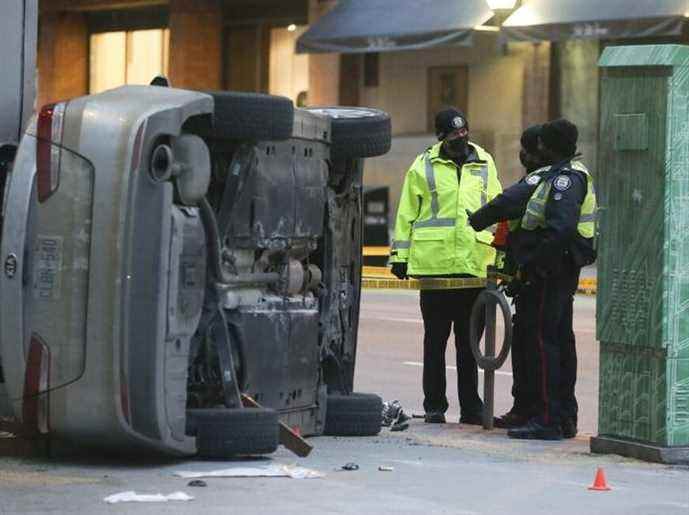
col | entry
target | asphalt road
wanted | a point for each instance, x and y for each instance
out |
(428, 469)
(390, 356)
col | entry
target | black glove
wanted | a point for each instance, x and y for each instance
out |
(477, 220)
(471, 221)
(399, 270)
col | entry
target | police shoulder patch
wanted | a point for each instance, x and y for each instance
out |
(562, 183)
(532, 180)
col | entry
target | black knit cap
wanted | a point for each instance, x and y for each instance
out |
(530, 137)
(449, 120)
(560, 136)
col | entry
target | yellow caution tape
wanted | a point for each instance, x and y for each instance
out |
(588, 286)
(377, 272)
(376, 251)
(422, 284)
(380, 278)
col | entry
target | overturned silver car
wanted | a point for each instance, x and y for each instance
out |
(166, 252)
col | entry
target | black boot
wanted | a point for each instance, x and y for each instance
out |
(534, 430)
(473, 419)
(434, 417)
(569, 428)
(511, 420)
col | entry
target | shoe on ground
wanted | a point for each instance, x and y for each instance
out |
(511, 420)
(434, 417)
(401, 422)
(401, 418)
(534, 430)
(569, 428)
(471, 420)
(391, 411)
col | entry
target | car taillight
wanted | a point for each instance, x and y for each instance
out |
(49, 149)
(36, 384)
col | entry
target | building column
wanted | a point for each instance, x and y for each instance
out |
(579, 93)
(63, 51)
(536, 104)
(196, 28)
(324, 69)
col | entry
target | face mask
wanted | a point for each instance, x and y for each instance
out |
(457, 146)
(529, 161)
(546, 155)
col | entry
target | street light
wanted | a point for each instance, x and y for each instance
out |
(502, 9)
(501, 5)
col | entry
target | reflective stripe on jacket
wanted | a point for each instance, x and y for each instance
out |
(431, 230)
(534, 217)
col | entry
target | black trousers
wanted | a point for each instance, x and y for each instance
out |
(441, 309)
(546, 348)
(524, 369)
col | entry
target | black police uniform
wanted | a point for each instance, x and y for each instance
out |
(550, 260)
(509, 205)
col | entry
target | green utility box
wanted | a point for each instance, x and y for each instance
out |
(643, 266)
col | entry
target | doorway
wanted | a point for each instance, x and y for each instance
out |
(447, 86)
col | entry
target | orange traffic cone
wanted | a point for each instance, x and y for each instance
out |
(600, 483)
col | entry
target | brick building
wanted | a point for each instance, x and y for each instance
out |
(201, 44)
(534, 69)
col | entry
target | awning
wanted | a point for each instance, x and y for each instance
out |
(553, 20)
(355, 26)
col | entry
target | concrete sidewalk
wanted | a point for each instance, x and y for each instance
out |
(437, 469)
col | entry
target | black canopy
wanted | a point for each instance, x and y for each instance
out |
(384, 25)
(556, 20)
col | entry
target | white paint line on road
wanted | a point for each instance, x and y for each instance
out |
(416, 364)
(394, 319)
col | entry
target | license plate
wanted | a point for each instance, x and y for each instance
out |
(47, 268)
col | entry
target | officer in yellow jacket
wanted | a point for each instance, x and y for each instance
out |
(433, 239)
(552, 228)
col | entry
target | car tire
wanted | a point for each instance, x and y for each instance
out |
(357, 414)
(223, 433)
(251, 117)
(357, 132)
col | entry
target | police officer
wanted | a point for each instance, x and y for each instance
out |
(551, 241)
(524, 388)
(433, 239)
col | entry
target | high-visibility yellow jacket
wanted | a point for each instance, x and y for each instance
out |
(432, 234)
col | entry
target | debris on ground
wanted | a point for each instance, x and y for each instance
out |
(394, 416)
(276, 470)
(350, 466)
(134, 497)
(197, 483)
(400, 426)
(384, 468)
